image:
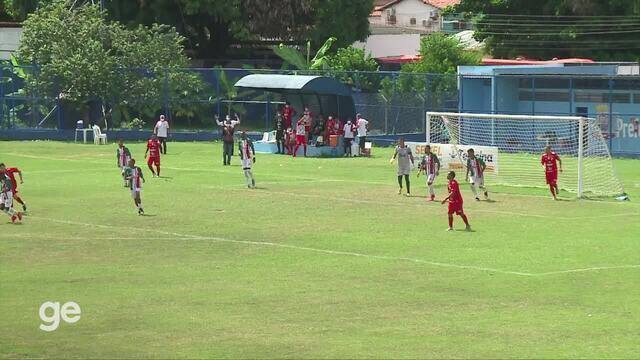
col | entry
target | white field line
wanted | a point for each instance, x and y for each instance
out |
(344, 253)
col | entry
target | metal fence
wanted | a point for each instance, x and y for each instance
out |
(393, 102)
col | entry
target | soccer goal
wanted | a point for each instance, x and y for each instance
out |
(512, 145)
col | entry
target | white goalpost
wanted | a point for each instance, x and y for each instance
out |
(512, 145)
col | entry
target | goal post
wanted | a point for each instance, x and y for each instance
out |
(513, 145)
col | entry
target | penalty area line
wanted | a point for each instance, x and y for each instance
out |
(178, 236)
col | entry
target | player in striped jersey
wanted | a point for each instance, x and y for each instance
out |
(476, 168)
(134, 175)
(123, 155)
(430, 164)
(248, 157)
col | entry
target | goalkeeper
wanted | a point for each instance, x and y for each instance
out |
(475, 174)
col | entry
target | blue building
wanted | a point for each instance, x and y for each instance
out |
(605, 91)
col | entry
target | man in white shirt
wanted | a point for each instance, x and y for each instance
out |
(348, 130)
(362, 125)
(162, 132)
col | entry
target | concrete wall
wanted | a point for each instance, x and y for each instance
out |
(9, 41)
(390, 45)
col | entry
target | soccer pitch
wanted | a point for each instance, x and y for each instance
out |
(322, 260)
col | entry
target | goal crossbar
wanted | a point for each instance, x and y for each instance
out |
(507, 117)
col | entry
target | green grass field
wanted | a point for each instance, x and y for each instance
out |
(323, 260)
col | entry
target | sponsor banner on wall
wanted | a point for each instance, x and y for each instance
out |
(454, 157)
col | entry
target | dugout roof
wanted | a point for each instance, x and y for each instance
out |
(322, 94)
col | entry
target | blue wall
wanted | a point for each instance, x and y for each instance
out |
(619, 120)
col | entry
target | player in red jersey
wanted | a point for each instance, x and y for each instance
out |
(11, 174)
(455, 202)
(550, 161)
(153, 149)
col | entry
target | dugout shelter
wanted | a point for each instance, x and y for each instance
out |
(323, 95)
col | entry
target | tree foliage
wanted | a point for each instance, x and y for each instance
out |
(556, 28)
(212, 26)
(441, 55)
(81, 56)
(348, 65)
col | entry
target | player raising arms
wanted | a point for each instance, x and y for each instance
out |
(455, 202)
(133, 174)
(248, 157)
(430, 164)
(153, 150)
(475, 168)
(301, 136)
(11, 174)
(548, 161)
(123, 155)
(6, 197)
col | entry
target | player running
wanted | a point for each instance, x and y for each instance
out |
(6, 197)
(123, 155)
(475, 168)
(248, 158)
(153, 149)
(405, 163)
(134, 174)
(430, 164)
(11, 173)
(455, 202)
(550, 161)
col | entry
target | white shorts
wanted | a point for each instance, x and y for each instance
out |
(477, 180)
(246, 164)
(431, 178)
(6, 199)
(135, 191)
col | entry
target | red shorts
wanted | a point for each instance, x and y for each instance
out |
(153, 160)
(552, 178)
(455, 208)
(301, 139)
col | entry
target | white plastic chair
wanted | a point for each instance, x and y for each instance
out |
(98, 136)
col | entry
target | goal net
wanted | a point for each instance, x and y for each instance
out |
(513, 145)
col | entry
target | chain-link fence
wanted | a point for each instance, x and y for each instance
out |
(393, 102)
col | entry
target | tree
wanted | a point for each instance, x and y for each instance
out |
(212, 26)
(602, 30)
(295, 58)
(440, 55)
(354, 67)
(84, 58)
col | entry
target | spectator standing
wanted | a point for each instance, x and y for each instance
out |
(288, 112)
(308, 123)
(363, 126)
(348, 130)
(162, 132)
(319, 130)
(280, 128)
(228, 128)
